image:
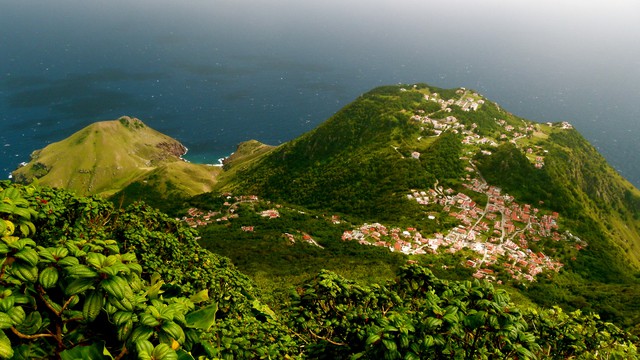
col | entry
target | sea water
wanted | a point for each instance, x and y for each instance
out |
(213, 73)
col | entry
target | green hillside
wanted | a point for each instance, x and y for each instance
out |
(358, 162)
(366, 161)
(107, 156)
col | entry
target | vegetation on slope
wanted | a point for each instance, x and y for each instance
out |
(357, 163)
(80, 279)
(107, 156)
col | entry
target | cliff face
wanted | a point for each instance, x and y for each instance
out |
(174, 149)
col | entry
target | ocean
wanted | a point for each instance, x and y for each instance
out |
(214, 73)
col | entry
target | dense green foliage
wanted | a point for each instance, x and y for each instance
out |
(419, 316)
(81, 279)
(91, 279)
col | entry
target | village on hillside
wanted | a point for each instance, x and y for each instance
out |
(501, 231)
(468, 101)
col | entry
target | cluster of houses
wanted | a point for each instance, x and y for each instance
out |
(396, 239)
(499, 232)
(439, 125)
(271, 213)
(301, 236)
(468, 103)
(196, 217)
(563, 125)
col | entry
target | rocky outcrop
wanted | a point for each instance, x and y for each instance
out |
(172, 148)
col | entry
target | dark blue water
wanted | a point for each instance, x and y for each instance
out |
(215, 73)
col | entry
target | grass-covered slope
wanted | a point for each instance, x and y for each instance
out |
(168, 185)
(358, 162)
(105, 157)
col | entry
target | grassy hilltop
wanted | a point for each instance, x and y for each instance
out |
(107, 156)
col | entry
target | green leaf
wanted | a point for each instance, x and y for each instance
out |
(149, 320)
(96, 351)
(202, 318)
(116, 269)
(27, 273)
(45, 254)
(81, 271)
(6, 351)
(22, 243)
(17, 315)
(373, 338)
(429, 341)
(6, 208)
(79, 285)
(164, 352)
(183, 355)
(411, 356)
(68, 261)
(5, 321)
(524, 352)
(200, 296)
(7, 303)
(390, 344)
(433, 322)
(4, 248)
(263, 309)
(450, 318)
(96, 260)
(154, 290)
(31, 324)
(144, 346)
(24, 213)
(48, 277)
(141, 333)
(59, 252)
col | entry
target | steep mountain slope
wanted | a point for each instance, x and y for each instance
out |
(107, 156)
(359, 162)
